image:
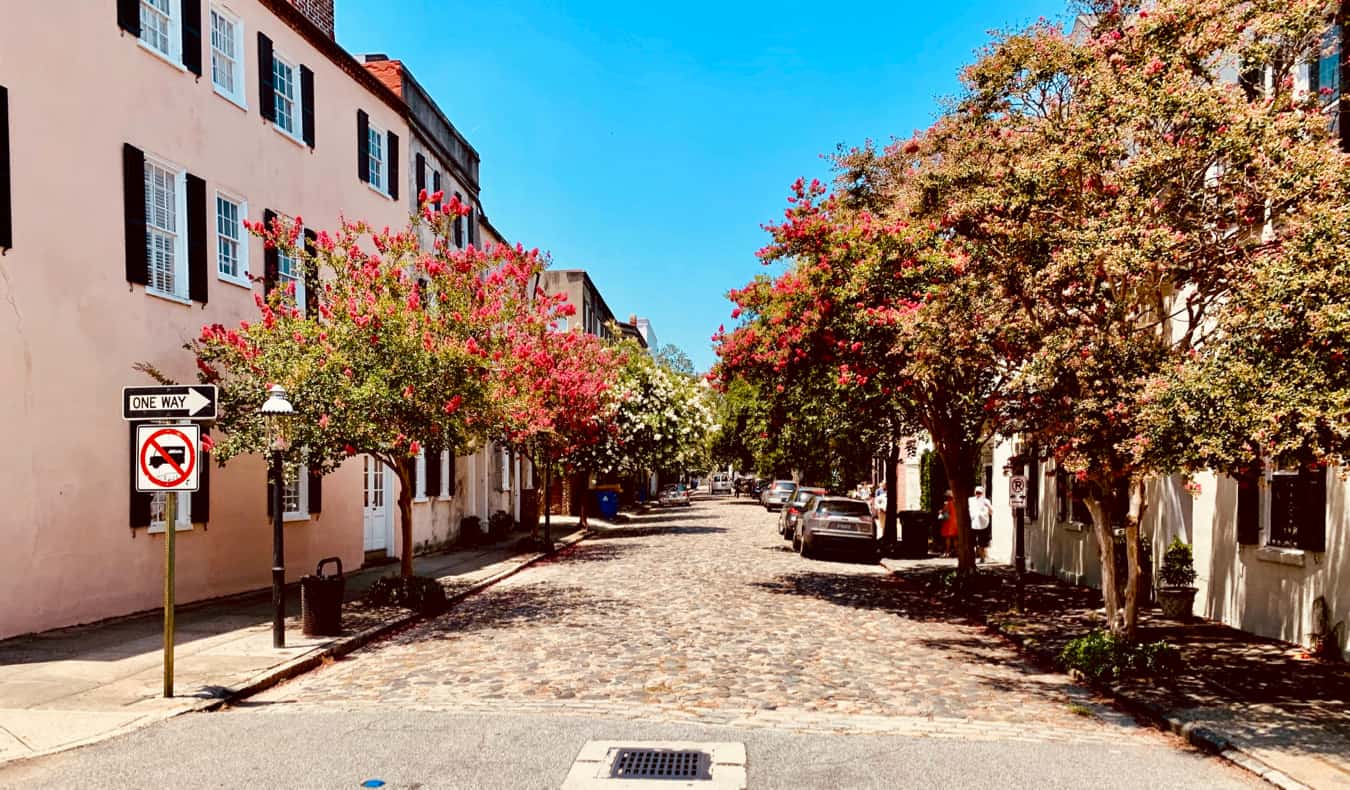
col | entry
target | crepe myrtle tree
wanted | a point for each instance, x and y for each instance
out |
(552, 391)
(882, 306)
(1121, 188)
(661, 420)
(391, 353)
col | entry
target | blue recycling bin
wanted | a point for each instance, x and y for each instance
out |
(609, 504)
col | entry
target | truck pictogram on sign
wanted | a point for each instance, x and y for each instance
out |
(166, 457)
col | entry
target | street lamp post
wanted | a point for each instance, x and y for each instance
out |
(276, 411)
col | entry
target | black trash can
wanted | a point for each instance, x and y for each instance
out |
(915, 526)
(321, 601)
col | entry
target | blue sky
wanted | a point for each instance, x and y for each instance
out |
(647, 142)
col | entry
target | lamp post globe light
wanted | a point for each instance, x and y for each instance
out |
(276, 412)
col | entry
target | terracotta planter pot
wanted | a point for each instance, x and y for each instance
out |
(1177, 602)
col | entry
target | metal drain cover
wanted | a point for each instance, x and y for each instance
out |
(613, 765)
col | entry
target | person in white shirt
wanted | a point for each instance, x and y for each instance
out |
(981, 521)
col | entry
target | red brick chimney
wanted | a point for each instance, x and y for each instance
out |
(320, 12)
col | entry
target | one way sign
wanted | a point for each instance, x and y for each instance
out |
(188, 401)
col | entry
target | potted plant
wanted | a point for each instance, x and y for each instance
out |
(1176, 593)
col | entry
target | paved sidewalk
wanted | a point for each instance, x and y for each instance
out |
(72, 686)
(1258, 702)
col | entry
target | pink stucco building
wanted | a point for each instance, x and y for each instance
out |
(131, 163)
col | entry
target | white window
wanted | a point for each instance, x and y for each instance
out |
(445, 473)
(504, 470)
(159, 27)
(291, 269)
(231, 241)
(375, 169)
(420, 490)
(227, 50)
(165, 242)
(283, 87)
(295, 494)
(183, 517)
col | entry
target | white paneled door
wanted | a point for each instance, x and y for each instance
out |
(375, 496)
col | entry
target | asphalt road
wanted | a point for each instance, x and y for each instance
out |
(694, 624)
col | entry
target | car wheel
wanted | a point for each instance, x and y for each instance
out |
(807, 552)
(796, 542)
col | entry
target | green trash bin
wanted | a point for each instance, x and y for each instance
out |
(321, 600)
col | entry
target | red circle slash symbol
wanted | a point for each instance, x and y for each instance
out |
(165, 469)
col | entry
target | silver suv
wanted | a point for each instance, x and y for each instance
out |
(836, 522)
(776, 495)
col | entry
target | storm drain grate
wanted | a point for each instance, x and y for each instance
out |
(660, 764)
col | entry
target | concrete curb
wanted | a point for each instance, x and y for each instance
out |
(348, 644)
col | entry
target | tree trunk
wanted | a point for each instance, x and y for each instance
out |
(406, 482)
(889, 529)
(1133, 520)
(1122, 616)
(1106, 552)
(960, 471)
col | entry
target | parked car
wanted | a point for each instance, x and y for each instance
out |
(675, 494)
(776, 495)
(792, 511)
(720, 484)
(836, 522)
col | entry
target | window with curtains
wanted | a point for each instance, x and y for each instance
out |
(164, 238)
(183, 518)
(295, 494)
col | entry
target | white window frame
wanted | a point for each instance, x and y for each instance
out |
(180, 267)
(293, 97)
(377, 156)
(1267, 499)
(238, 96)
(301, 484)
(173, 55)
(504, 462)
(298, 278)
(241, 278)
(420, 489)
(183, 516)
(446, 469)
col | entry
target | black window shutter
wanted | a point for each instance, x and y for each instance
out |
(393, 165)
(267, 97)
(433, 478)
(1312, 509)
(363, 146)
(196, 238)
(311, 275)
(469, 223)
(420, 173)
(192, 35)
(459, 226)
(271, 266)
(436, 185)
(1343, 108)
(1249, 508)
(139, 515)
(133, 205)
(129, 19)
(315, 492)
(6, 204)
(1251, 78)
(1033, 509)
(307, 105)
(201, 498)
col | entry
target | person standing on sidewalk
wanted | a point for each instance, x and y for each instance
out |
(949, 528)
(981, 521)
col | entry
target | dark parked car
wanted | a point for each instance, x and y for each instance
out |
(836, 522)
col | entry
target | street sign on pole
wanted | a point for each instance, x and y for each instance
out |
(179, 402)
(1017, 491)
(166, 457)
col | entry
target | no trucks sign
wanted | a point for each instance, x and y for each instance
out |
(166, 457)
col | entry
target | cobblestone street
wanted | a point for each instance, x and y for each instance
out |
(704, 614)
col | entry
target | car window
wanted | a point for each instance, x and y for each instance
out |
(844, 507)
